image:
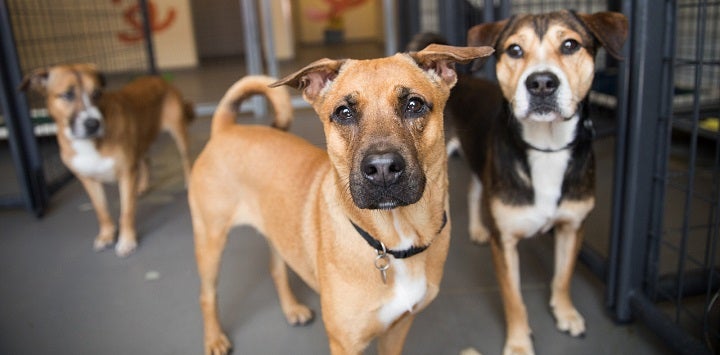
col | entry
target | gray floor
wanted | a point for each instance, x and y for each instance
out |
(58, 296)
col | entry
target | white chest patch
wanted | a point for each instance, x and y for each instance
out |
(88, 161)
(408, 289)
(548, 171)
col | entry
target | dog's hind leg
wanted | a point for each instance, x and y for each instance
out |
(568, 239)
(507, 268)
(391, 342)
(296, 313)
(209, 244)
(174, 121)
(143, 176)
(478, 232)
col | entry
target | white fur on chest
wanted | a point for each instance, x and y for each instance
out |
(408, 288)
(547, 170)
(88, 162)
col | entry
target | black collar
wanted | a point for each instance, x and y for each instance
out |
(398, 254)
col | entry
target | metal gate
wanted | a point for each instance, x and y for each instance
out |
(36, 33)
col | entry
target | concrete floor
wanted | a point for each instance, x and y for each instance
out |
(58, 296)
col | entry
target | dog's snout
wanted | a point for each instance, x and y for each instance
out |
(92, 125)
(542, 83)
(383, 168)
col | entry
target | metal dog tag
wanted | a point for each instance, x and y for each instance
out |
(382, 263)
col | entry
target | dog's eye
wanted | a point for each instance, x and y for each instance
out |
(514, 51)
(569, 46)
(415, 107)
(343, 114)
(68, 95)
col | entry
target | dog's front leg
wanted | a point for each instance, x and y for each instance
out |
(106, 235)
(391, 342)
(507, 268)
(127, 239)
(568, 239)
(296, 313)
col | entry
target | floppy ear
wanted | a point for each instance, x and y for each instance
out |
(609, 28)
(442, 59)
(35, 80)
(312, 78)
(485, 34)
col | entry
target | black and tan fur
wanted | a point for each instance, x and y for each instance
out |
(529, 145)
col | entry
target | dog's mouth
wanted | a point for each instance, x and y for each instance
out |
(386, 180)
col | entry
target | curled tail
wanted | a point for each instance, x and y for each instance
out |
(253, 85)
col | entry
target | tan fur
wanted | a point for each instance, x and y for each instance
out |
(298, 197)
(132, 118)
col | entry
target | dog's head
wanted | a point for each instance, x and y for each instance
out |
(72, 93)
(545, 63)
(383, 120)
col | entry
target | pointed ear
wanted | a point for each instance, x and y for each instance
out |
(442, 59)
(312, 78)
(609, 28)
(35, 80)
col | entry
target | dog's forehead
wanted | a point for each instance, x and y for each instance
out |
(544, 26)
(376, 78)
(63, 78)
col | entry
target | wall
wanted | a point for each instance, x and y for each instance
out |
(362, 23)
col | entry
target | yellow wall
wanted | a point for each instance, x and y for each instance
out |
(361, 22)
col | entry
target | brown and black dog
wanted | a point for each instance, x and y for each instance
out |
(104, 136)
(363, 223)
(530, 148)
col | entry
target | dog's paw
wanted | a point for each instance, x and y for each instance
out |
(569, 320)
(125, 247)
(102, 242)
(519, 347)
(217, 345)
(299, 315)
(479, 235)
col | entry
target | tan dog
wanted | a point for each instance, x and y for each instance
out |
(529, 144)
(365, 224)
(104, 136)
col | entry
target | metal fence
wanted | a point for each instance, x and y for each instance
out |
(35, 33)
(661, 263)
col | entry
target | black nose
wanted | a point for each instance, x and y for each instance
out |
(383, 169)
(542, 84)
(91, 125)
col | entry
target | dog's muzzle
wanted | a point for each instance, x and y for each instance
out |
(542, 87)
(87, 124)
(384, 180)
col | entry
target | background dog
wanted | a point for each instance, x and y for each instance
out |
(363, 223)
(105, 136)
(530, 148)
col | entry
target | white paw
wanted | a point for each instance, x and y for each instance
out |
(479, 234)
(125, 247)
(569, 320)
(102, 242)
(519, 347)
(299, 315)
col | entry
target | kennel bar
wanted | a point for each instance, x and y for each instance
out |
(24, 152)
